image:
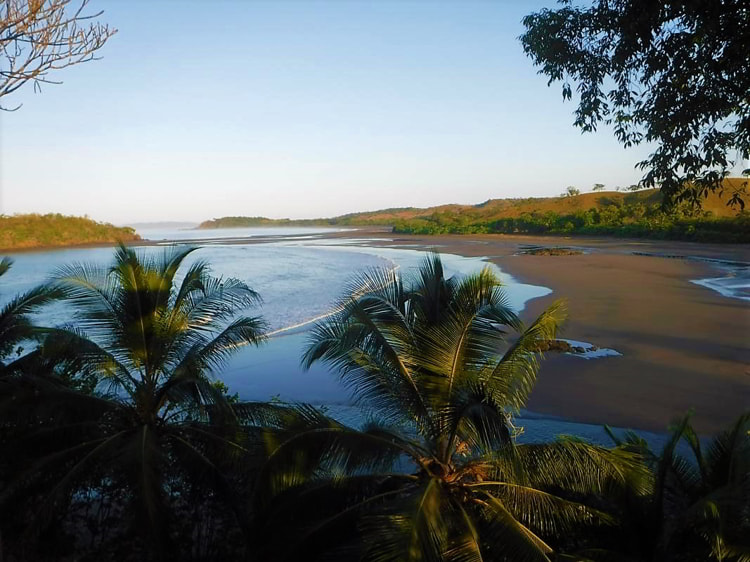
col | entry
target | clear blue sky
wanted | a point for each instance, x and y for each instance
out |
(298, 109)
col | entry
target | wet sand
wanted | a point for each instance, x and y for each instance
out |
(683, 346)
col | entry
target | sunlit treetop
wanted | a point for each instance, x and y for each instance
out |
(675, 73)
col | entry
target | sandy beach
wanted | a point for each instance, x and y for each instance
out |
(684, 347)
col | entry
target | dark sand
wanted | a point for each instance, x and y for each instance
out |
(684, 346)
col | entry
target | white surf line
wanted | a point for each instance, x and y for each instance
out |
(305, 323)
(728, 286)
(735, 283)
(327, 314)
(590, 351)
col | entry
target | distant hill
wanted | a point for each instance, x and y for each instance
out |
(25, 232)
(242, 222)
(490, 210)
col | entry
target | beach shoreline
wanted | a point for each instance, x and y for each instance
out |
(684, 347)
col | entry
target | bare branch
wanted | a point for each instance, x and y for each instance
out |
(40, 36)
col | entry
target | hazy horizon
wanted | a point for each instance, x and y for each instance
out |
(298, 110)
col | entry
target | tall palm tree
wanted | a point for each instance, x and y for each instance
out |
(698, 506)
(436, 474)
(150, 332)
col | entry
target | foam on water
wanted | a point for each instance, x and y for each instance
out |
(733, 286)
(590, 351)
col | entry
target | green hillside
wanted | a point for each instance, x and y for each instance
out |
(24, 232)
(609, 213)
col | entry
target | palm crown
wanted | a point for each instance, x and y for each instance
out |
(150, 341)
(437, 475)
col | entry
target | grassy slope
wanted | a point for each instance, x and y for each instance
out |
(490, 210)
(22, 232)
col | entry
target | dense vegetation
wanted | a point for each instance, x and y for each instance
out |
(630, 220)
(22, 232)
(117, 444)
(638, 213)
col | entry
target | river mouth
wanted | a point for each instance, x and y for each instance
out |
(299, 277)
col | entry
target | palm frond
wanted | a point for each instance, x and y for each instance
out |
(546, 513)
(15, 324)
(430, 293)
(513, 377)
(218, 300)
(414, 526)
(167, 267)
(466, 546)
(369, 345)
(212, 352)
(572, 465)
(505, 536)
(728, 455)
(477, 420)
(95, 296)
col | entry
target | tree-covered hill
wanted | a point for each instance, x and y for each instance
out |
(631, 213)
(22, 232)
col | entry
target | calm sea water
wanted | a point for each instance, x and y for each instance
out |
(299, 279)
(231, 233)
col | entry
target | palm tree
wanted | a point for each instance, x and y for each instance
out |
(156, 429)
(436, 474)
(698, 506)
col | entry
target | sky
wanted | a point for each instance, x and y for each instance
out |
(199, 110)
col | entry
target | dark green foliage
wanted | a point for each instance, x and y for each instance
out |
(672, 73)
(629, 220)
(698, 506)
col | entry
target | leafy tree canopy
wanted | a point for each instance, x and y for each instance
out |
(672, 73)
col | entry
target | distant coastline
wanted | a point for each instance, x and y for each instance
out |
(614, 213)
